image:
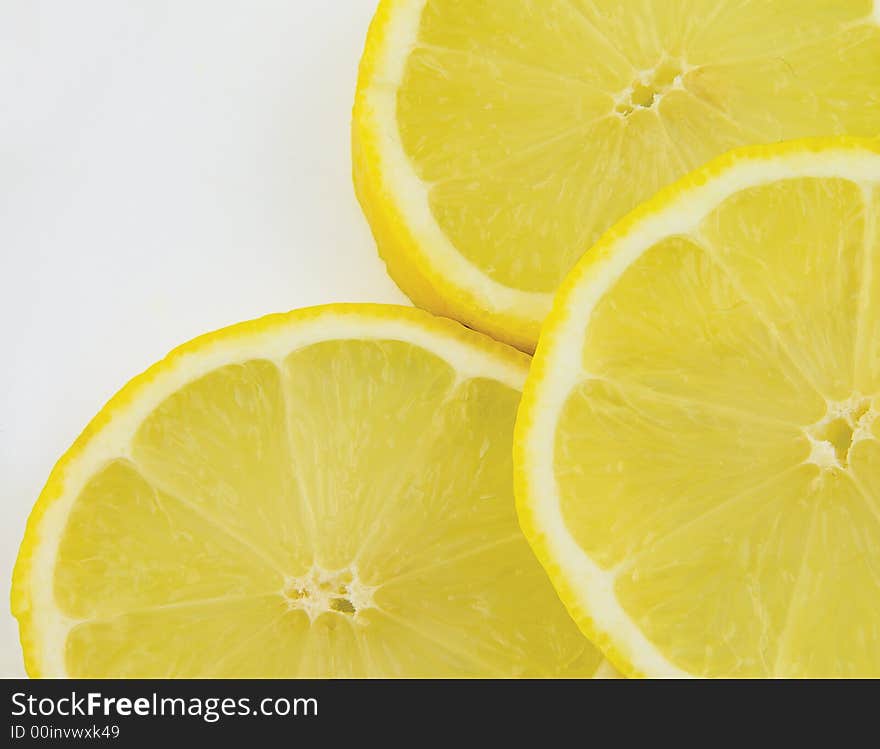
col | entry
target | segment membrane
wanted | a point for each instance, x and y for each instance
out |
(795, 250)
(332, 649)
(715, 593)
(676, 325)
(182, 642)
(868, 350)
(631, 468)
(497, 217)
(441, 510)
(446, 143)
(864, 461)
(743, 31)
(355, 439)
(498, 595)
(128, 546)
(220, 444)
(834, 626)
(700, 128)
(394, 648)
(550, 37)
(797, 92)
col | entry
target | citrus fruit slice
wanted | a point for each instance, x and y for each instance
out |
(495, 142)
(698, 447)
(324, 493)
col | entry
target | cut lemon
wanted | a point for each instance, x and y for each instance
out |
(698, 447)
(326, 493)
(494, 142)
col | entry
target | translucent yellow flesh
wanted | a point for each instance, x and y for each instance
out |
(867, 351)
(509, 111)
(797, 252)
(367, 457)
(697, 459)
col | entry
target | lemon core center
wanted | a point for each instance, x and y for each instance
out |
(845, 423)
(649, 87)
(320, 591)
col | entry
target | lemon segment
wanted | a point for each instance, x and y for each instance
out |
(218, 444)
(741, 556)
(118, 517)
(839, 569)
(494, 143)
(808, 274)
(183, 640)
(867, 373)
(697, 451)
(709, 455)
(326, 493)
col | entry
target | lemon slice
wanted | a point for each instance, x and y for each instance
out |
(698, 447)
(326, 493)
(495, 142)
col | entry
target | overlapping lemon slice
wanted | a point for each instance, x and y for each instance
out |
(494, 141)
(325, 493)
(698, 449)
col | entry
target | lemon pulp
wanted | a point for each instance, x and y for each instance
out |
(323, 494)
(702, 442)
(496, 142)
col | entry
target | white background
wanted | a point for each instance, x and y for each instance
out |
(167, 167)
